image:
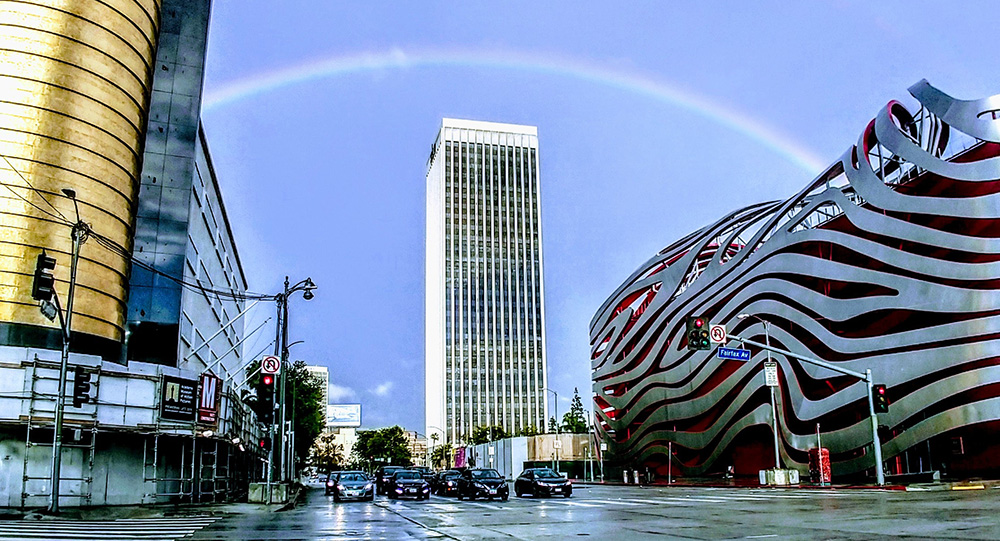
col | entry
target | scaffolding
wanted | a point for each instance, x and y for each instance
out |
(40, 421)
(181, 461)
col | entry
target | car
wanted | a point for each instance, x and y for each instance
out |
(542, 482)
(408, 483)
(351, 485)
(382, 475)
(482, 483)
(424, 471)
(445, 483)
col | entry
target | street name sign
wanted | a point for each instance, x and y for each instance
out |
(732, 353)
(771, 373)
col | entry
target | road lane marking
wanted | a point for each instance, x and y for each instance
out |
(612, 502)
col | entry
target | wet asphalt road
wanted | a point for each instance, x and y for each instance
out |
(632, 513)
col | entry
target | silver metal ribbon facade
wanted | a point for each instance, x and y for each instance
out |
(889, 260)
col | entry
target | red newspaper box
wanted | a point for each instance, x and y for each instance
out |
(819, 465)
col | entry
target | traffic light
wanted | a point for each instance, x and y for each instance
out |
(880, 399)
(265, 443)
(265, 397)
(697, 333)
(81, 388)
(44, 285)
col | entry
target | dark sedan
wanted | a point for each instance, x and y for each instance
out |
(482, 483)
(408, 484)
(542, 482)
(382, 476)
(350, 485)
(445, 483)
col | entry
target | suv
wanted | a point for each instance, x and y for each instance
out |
(382, 475)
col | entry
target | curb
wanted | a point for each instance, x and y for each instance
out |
(297, 490)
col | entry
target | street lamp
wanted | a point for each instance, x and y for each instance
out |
(556, 446)
(774, 409)
(281, 348)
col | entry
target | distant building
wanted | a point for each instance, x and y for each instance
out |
(417, 444)
(485, 316)
(345, 437)
(323, 373)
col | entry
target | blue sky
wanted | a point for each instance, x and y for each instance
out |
(654, 119)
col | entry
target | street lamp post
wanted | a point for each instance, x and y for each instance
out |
(306, 287)
(774, 408)
(556, 408)
(79, 235)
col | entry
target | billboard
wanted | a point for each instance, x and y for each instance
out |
(343, 415)
(178, 398)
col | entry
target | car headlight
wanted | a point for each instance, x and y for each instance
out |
(329, 483)
(340, 487)
(399, 490)
(426, 488)
(478, 485)
(451, 484)
(368, 486)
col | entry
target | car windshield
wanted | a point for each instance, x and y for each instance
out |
(408, 475)
(355, 477)
(485, 474)
(547, 474)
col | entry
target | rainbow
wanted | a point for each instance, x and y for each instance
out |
(640, 84)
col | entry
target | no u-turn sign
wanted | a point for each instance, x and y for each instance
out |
(270, 365)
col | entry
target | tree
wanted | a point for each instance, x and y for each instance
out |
(441, 456)
(575, 420)
(327, 456)
(389, 445)
(485, 434)
(530, 430)
(304, 390)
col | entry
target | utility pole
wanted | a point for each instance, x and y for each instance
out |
(286, 465)
(79, 235)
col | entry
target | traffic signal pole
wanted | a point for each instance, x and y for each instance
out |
(866, 377)
(79, 235)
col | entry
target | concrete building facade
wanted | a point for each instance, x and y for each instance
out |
(115, 97)
(485, 317)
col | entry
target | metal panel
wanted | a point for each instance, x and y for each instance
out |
(889, 260)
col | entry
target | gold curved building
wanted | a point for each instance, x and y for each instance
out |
(75, 84)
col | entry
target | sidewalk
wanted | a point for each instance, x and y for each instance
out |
(115, 512)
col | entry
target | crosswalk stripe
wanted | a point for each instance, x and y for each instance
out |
(572, 504)
(485, 505)
(99, 530)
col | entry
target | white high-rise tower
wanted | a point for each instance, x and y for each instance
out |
(485, 311)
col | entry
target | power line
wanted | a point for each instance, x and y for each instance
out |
(116, 248)
(60, 216)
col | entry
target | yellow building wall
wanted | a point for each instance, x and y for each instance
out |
(75, 80)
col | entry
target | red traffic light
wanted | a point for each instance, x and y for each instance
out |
(268, 379)
(880, 390)
(698, 322)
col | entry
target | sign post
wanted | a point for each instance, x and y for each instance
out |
(865, 377)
